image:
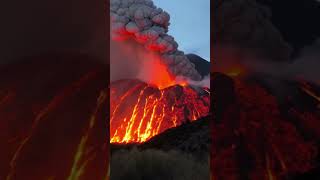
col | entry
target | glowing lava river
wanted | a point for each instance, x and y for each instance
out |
(140, 111)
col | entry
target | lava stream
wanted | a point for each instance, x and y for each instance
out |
(144, 111)
(44, 112)
(80, 160)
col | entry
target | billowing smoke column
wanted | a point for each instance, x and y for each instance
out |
(142, 21)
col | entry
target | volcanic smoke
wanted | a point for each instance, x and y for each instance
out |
(150, 77)
(148, 25)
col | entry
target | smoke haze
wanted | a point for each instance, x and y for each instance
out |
(129, 60)
(305, 66)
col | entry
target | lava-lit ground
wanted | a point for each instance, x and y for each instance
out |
(257, 136)
(140, 111)
(54, 119)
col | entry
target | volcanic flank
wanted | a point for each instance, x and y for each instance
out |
(140, 111)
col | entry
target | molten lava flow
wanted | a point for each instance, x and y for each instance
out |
(269, 174)
(307, 88)
(143, 111)
(53, 104)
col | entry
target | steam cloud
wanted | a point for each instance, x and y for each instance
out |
(141, 62)
(148, 25)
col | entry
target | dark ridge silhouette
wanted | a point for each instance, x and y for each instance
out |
(201, 65)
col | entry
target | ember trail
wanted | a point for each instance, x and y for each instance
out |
(140, 111)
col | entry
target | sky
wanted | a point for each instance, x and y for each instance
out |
(190, 24)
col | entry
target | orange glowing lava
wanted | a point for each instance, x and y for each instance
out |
(161, 77)
(140, 111)
(307, 88)
(145, 65)
(232, 69)
(235, 71)
(154, 72)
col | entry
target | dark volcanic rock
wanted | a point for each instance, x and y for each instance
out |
(191, 137)
(201, 65)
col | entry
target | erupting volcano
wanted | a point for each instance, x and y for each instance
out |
(140, 111)
(155, 94)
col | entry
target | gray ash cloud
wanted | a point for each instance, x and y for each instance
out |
(148, 25)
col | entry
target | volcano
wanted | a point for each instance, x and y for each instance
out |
(140, 111)
(262, 130)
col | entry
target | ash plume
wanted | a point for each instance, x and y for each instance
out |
(247, 24)
(148, 25)
(245, 36)
(129, 60)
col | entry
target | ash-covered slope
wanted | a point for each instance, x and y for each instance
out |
(177, 153)
(193, 137)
